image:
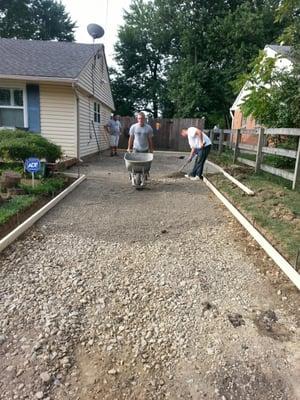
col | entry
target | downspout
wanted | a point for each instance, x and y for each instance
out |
(77, 122)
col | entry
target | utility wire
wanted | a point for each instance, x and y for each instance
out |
(106, 16)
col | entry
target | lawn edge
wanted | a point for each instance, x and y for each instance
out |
(279, 260)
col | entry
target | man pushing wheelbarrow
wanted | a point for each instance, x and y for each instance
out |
(140, 143)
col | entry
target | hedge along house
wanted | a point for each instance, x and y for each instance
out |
(58, 89)
(284, 62)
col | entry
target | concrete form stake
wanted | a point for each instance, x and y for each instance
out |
(297, 267)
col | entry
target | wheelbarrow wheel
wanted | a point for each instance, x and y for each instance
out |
(138, 180)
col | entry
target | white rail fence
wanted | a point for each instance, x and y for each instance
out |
(255, 142)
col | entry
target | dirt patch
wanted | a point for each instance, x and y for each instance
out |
(236, 319)
(283, 213)
(178, 175)
(268, 325)
(239, 171)
(234, 377)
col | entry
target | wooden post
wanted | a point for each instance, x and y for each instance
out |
(221, 140)
(212, 137)
(260, 143)
(231, 139)
(236, 146)
(296, 180)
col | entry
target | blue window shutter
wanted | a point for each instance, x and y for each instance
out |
(33, 104)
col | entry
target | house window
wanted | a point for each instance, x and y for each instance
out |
(97, 112)
(11, 107)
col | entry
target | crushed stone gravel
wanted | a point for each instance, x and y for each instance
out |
(153, 294)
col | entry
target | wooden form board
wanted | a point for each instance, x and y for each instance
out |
(279, 260)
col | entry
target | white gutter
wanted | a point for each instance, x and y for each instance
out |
(38, 78)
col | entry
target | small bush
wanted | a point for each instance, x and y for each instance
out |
(12, 166)
(19, 145)
(49, 186)
(280, 161)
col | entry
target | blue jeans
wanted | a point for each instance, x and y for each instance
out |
(200, 160)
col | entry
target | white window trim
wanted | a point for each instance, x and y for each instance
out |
(98, 113)
(25, 104)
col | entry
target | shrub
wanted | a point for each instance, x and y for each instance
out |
(49, 186)
(19, 145)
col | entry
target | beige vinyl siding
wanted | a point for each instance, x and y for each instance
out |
(88, 143)
(58, 116)
(12, 83)
(102, 88)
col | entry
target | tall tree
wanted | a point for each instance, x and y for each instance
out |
(122, 94)
(141, 53)
(289, 10)
(274, 95)
(179, 56)
(214, 51)
(35, 19)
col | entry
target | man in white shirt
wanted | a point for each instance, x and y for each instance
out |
(200, 145)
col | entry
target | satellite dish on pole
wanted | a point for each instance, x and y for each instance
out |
(96, 31)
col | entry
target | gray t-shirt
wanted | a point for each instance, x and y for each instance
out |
(141, 135)
(114, 127)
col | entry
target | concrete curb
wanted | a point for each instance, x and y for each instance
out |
(287, 268)
(13, 235)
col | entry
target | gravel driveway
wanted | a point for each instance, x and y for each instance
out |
(153, 294)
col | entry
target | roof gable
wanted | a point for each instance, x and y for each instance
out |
(44, 58)
(284, 52)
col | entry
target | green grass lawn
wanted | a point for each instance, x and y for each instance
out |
(275, 208)
(15, 206)
(48, 187)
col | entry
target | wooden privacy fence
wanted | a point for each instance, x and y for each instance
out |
(255, 142)
(166, 132)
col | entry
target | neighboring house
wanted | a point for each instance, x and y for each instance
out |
(284, 61)
(58, 89)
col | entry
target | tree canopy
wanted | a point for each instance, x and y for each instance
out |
(180, 57)
(35, 19)
(274, 95)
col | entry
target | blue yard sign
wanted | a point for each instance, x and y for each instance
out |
(32, 165)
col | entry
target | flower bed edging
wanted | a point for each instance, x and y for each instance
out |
(13, 235)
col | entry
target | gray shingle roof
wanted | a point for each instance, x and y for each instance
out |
(285, 51)
(44, 58)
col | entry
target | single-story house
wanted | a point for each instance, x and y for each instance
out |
(284, 61)
(58, 89)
